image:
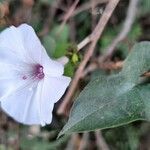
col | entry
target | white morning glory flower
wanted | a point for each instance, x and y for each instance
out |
(30, 82)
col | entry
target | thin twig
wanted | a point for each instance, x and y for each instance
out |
(51, 13)
(101, 144)
(89, 38)
(68, 14)
(108, 65)
(84, 7)
(130, 18)
(87, 6)
(104, 66)
(94, 38)
(94, 16)
(84, 141)
(84, 43)
(73, 142)
(72, 25)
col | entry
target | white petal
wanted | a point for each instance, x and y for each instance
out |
(6, 86)
(10, 86)
(9, 57)
(11, 67)
(22, 106)
(56, 86)
(11, 78)
(63, 60)
(36, 51)
(34, 104)
(31, 42)
(52, 68)
(8, 71)
(16, 53)
(52, 89)
(11, 40)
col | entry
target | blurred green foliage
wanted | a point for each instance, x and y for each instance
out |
(40, 144)
(56, 41)
(145, 7)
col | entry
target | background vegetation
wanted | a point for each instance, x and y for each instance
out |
(61, 25)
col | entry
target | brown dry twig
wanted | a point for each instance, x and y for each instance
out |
(102, 65)
(87, 6)
(130, 18)
(94, 38)
(84, 7)
(84, 141)
(93, 15)
(4, 9)
(73, 142)
(101, 144)
(131, 14)
(51, 13)
(109, 65)
(68, 14)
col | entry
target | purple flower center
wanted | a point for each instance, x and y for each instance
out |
(37, 73)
